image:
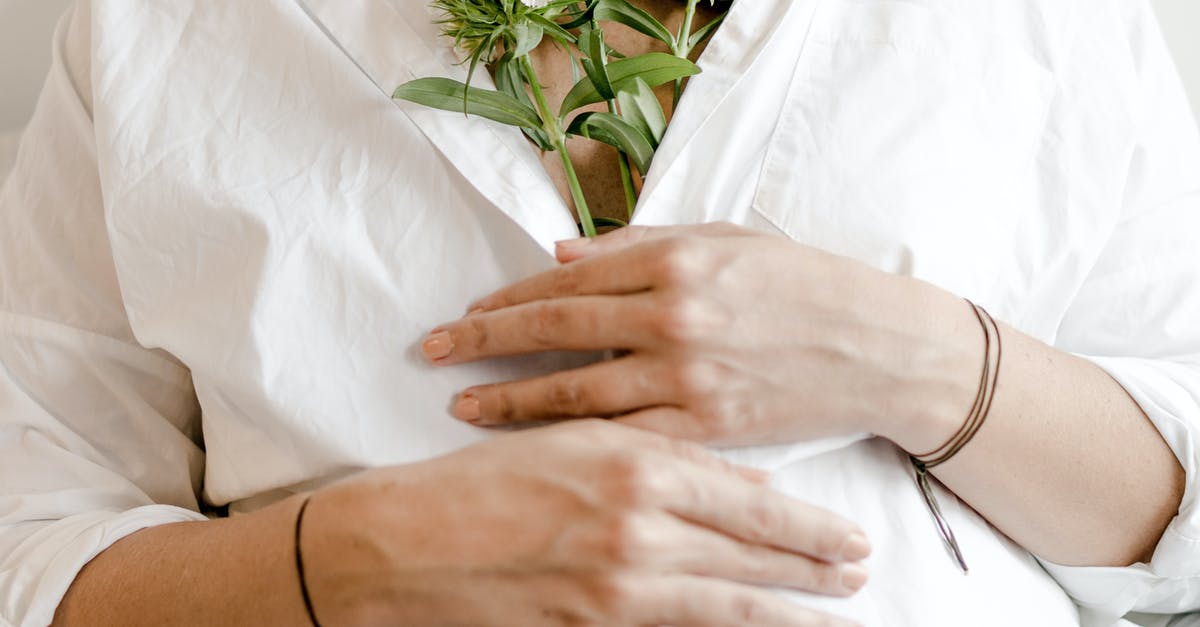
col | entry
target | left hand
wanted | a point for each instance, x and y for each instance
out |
(729, 337)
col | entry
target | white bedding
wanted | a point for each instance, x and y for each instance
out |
(8, 151)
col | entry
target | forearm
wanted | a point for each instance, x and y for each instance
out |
(1066, 463)
(239, 570)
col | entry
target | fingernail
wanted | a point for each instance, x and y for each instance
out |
(854, 577)
(574, 244)
(476, 310)
(466, 408)
(438, 345)
(856, 547)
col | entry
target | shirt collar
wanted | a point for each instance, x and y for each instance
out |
(396, 41)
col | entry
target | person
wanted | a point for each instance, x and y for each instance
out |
(224, 250)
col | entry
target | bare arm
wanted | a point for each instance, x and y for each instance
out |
(1066, 464)
(593, 523)
(730, 331)
(165, 575)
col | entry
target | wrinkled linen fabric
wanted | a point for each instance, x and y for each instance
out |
(8, 152)
(223, 241)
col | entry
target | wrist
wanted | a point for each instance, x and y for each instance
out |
(938, 371)
(347, 568)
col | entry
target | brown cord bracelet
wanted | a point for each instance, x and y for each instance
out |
(989, 377)
(300, 565)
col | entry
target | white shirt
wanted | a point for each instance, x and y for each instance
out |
(222, 242)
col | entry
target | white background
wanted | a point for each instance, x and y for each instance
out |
(25, 27)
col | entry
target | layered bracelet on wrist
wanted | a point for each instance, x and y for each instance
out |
(312, 616)
(988, 378)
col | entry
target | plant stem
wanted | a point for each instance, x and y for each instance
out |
(627, 182)
(682, 49)
(627, 175)
(558, 138)
(622, 158)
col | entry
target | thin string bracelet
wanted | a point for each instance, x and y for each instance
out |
(312, 616)
(979, 393)
(979, 412)
(990, 393)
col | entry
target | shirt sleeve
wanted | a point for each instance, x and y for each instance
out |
(99, 436)
(1137, 316)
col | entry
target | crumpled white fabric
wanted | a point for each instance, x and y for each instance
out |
(222, 242)
(8, 151)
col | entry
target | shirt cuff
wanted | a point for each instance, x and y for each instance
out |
(44, 561)
(1169, 394)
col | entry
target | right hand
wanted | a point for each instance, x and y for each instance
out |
(586, 523)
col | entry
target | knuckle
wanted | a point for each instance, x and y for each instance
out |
(695, 453)
(612, 595)
(747, 609)
(627, 539)
(827, 538)
(825, 578)
(731, 419)
(684, 319)
(755, 567)
(566, 280)
(696, 379)
(567, 397)
(546, 324)
(478, 332)
(680, 261)
(500, 404)
(764, 522)
(636, 482)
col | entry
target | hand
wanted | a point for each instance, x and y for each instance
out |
(732, 337)
(589, 523)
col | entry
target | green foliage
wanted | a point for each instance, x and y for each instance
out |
(502, 34)
(449, 95)
(654, 68)
(615, 132)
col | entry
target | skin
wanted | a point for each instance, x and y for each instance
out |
(596, 163)
(587, 523)
(726, 332)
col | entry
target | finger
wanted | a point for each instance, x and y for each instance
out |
(761, 516)
(691, 454)
(672, 422)
(571, 250)
(653, 263)
(689, 601)
(676, 452)
(584, 323)
(666, 543)
(601, 389)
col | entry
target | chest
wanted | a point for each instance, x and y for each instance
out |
(291, 233)
(597, 164)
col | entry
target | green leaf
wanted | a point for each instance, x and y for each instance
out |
(591, 42)
(510, 81)
(612, 222)
(583, 17)
(552, 28)
(528, 37)
(704, 31)
(621, 12)
(654, 68)
(612, 130)
(449, 95)
(640, 107)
